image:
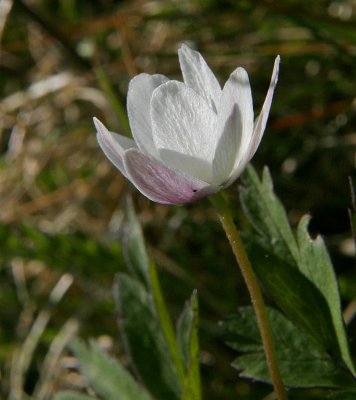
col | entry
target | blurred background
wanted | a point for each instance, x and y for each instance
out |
(62, 204)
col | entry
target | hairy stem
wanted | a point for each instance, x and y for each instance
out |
(221, 205)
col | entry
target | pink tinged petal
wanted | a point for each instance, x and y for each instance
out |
(228, 145)
(113, 145)
(182, 121)
(139, 96)
(198, 76)
(162, 184)
(261, 121)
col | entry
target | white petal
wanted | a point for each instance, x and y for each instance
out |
(162, 184)
(191, 166)
(237, 91)
(139, 96)
(259, 128)
(238, 169)
(113, 145)
(261, 121)
(228, 145)
(198, 75)
(235, 125)
(182, 121)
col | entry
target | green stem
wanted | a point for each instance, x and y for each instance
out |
(221, 205)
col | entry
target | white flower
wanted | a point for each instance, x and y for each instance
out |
(191, 139)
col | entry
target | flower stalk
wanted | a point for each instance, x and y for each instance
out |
(220, 203)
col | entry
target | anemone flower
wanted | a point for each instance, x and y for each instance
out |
(191, 138)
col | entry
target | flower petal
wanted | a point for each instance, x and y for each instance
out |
(162, 184)
(259, 128)
(189, 165)
(198, 75)
(226, 151)
(237, 91)
(235, 125)
(182, 121)
(261, 121)
(139, 96)
(113, 145)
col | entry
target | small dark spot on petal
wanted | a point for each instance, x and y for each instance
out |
(194, 190)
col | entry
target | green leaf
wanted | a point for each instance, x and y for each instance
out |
(267, 214)
(108, 378)
(184, 331)
(146, 343)
(72, 396)
(302, 362)
(295, 295)
(315, 264)
(165, 321)
(188, 339)
(310, 257)
(135, 249)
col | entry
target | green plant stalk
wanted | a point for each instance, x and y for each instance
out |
(166, 323)
(221, 205)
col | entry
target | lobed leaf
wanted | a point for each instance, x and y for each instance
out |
(266, 213)
(295, 295)
(303, 363)
(315, 264)
(312, 304)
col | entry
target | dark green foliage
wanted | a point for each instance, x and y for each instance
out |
(145, 342)
(167, 363)
(147, 329)
(298, 275)
(302, 361)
